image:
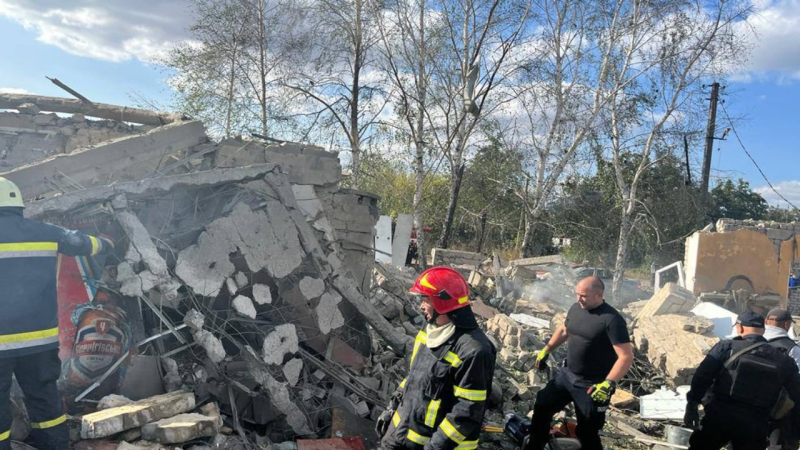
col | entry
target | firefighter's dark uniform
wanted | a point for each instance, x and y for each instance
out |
(29, 322)
(444, 396)
(727, 419)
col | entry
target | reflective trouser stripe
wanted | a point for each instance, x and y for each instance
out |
(467, 445)
(4, 436)
(403, 383)
(452, 432)
(50, 423)
(432, 412)
(29, 339)
(417, 438)
(396, 419)
(28, 250)
(470, 394)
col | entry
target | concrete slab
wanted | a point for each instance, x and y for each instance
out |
(402, 238)
(181, 428)
(124, 159)
(115, 420)
(383, 240)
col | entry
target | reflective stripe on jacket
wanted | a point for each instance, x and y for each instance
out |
(445, 393)
(28, 263)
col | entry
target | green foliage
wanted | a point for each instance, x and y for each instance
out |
(669, 211)
(737, 201)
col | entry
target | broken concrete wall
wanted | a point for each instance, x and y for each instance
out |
(446, 257)
(740, 259)
(33, 136)
(670, 347)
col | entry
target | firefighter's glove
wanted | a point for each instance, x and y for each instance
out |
(541, 359)
(692, 417)
(382, 424)
(601, 392)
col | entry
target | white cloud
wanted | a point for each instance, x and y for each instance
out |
(11, 90)
(776, 44)
(112, 30)
(789, 189)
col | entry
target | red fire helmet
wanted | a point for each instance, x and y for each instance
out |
(446, 287)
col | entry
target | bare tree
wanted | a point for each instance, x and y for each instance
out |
(479, 37)
(685, 43)
(227, 72)
(335, 72)
(408, 40)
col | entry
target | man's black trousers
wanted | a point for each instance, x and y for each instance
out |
(566, 387)
(37, 375)
(725, 423)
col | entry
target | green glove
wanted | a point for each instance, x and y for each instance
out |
(541, 359)
(602, 392)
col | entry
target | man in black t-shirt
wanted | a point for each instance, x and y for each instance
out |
(599, 354)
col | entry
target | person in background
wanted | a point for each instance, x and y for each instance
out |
(785, 433)
(29, 323)
(739, 384)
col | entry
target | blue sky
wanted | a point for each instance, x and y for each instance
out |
(102, 51)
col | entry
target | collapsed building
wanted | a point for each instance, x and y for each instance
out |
(243, 304)
(240, 273)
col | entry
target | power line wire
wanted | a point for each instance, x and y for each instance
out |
(736, 133)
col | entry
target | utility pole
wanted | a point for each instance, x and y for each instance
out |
(710, 128)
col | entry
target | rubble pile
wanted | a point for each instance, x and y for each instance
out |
(241, 266)
(243, 303)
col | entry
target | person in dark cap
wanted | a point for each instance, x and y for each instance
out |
(785, 434)
(740, 382)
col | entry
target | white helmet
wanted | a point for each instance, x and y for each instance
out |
(10, 196)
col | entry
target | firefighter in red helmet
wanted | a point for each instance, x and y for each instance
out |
(440, 405)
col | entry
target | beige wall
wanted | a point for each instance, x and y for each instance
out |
(714, 258)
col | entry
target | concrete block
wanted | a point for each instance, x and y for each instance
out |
(182, 428)
(669, 347)
(329, 316)
(244, 306)
(670, 299)
(281, 341)
(115, 420)
(292, 370)
(211, 344)
(262, 294)
(441, 256)
(305, 164)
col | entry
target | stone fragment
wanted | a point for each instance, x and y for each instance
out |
(312, 287)
(131, 435)
(241, 279)
(233, 288)
(362, 409)
(115, 420)
(292, 369)
(28, 108)
(244, 306)
(262, 294)
(172, 376)
(113, 401)
(281, 341)
(670, 299)
(210, 410)
(194, 320)
(181, 428)
(211, 344)
(329, 317)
